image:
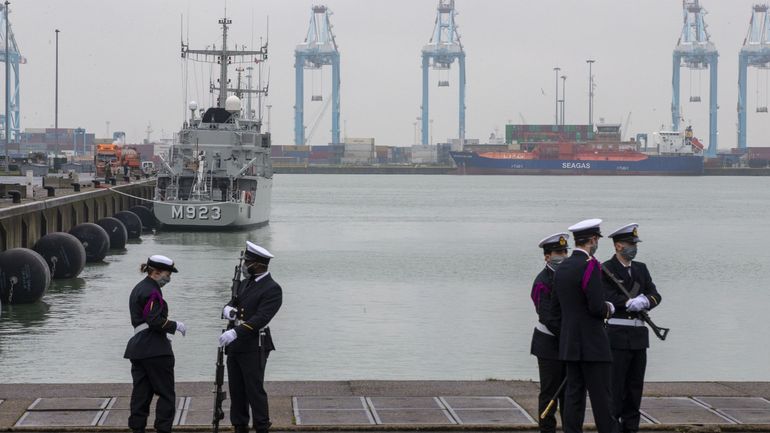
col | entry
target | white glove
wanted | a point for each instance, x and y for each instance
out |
(638, 304)
(612, 308)
(227, 337)
(229, 312)
(180, 328)
(644, 301)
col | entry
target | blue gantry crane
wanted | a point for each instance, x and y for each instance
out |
(318, 50)
(15, 58)
(695, 51)
(442, 50)
(756, 53)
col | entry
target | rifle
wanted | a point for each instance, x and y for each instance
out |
(219, 395)
(553, 400)
(659, 331)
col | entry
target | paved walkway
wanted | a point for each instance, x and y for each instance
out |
(383, 405)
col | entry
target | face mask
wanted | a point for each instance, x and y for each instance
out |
(245, 270)
(593, 249)
(162, 281)
(555, 261)
(628, 253)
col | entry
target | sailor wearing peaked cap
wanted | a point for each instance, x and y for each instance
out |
(256, 253)
(545, 337)
(583, 343)
(586, 228)
(249, 343)
(555, 242)
(627, 233)
(629, 337)
(161, 263)
(152, 359)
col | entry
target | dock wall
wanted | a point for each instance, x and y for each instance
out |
(21, 225)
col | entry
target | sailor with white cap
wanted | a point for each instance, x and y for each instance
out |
(249, 343)
(545, 337)
(629, 337)
(583, 342)
(152, 359)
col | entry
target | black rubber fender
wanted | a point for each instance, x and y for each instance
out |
(24, 276)
(64, 254)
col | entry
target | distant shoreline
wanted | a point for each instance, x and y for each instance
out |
(401, 169)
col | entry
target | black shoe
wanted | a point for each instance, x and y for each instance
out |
(241, 428)
(263, 428)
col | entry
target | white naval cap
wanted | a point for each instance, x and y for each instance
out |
(586, 228)
(626, 233)
(256, 253)
(160, 262)
(557, 241)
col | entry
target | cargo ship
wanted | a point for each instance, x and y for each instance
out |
(579, 150)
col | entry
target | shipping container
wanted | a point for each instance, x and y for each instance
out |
(353, 140)
(302, 148)
(758, 152)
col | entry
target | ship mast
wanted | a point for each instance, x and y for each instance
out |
(224, 57)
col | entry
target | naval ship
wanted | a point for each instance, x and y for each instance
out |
(218, 174)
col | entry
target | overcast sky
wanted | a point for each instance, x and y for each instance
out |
(120, 62)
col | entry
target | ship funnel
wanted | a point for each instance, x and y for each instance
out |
(233, 104)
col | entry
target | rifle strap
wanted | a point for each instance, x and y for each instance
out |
(616, 281)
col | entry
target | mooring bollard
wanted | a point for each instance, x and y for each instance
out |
(113, 181)
(15, 195)
(76, 187)
(51, 191)
(96, 183)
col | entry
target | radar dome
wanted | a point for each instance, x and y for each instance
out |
(193, 105)
(233, 104)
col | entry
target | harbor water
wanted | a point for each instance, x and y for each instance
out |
(424, 277)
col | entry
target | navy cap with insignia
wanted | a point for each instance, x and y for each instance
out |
(162, 263)
(626, 233)
(555, 242)
(586, 228)
(256, 253)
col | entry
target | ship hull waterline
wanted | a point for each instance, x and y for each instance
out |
(213, 216)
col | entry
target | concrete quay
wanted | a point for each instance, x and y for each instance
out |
(365, 405)
(22, 224)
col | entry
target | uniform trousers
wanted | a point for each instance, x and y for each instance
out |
(246, 377)
(628, 368)
(552, 373)
(152, 376)
(595, 377)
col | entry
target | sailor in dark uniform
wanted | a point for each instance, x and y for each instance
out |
(249, 343)
(545, 339)
(152, 360)
(629, 337)
(583, 342)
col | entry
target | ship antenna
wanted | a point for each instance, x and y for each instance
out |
(184, 69)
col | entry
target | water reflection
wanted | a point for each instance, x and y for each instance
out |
(214, 239)
(24, 317)
(70, 285)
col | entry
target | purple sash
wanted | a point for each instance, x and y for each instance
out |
(592, 264)
(539, 290)
(154, 296)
